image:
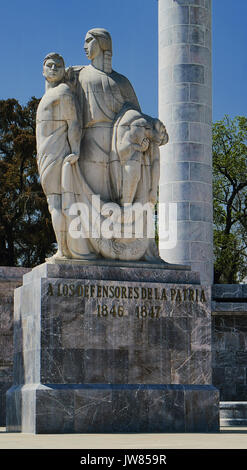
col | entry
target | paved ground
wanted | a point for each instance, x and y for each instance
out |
(227, 438)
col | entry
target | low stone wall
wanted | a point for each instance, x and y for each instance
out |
(229, 330)
(229, 340)
(10, 278)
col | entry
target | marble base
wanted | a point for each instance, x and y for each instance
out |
(159, 263)
(112, 349)
(109, 408)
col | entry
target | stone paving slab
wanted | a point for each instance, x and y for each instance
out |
(233, 438)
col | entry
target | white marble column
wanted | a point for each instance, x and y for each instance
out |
(185, 104)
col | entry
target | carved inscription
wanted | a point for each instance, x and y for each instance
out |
(112, 299)
(104, 310)
(122, 292)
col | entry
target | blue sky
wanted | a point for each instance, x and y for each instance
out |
(32, 28)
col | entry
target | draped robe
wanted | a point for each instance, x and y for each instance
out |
(102, 98)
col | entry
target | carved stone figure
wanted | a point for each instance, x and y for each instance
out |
(118, 164)
(58, 136)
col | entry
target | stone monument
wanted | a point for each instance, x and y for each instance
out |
(97, 153)
(108, 336)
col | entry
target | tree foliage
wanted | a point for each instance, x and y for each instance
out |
(230, 199)
(26, 234)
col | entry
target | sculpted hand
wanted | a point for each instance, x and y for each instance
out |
(72, 158)
(145, 144)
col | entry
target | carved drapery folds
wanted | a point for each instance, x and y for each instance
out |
(98, 158)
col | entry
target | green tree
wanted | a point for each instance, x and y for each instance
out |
(26, 234)
(230, 199)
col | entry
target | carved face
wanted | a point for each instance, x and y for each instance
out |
(91, 46)
(53, 70)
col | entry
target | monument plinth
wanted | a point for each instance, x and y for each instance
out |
(108, 337)
(106, 348)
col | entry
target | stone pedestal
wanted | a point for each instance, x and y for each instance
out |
(108, 348)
